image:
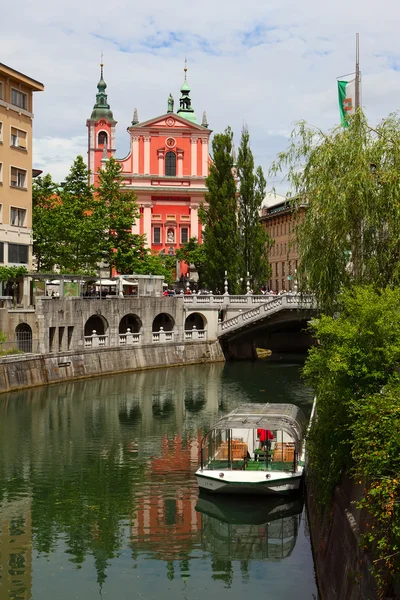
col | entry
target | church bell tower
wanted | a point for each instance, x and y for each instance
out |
(101, 130)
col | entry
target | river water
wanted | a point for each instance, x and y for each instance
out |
(98, 497)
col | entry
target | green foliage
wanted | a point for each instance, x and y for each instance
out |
(118, 211)
(12, 273)
(77, 225)
(376, 454)
(358, 354)
(221, 234)
(254, 238)
(45, 213)
(193, 253)
(350, 180)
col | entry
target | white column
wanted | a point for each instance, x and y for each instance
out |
(179, 154)
(135, 154)
(146, 139)
(194, 156)
(147, 223)
(194, 220)
(204, 157)
(160, 154)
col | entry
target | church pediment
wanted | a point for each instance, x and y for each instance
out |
(169, 121)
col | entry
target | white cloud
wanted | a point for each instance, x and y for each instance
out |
(268, 64)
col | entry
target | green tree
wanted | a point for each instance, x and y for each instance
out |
(192, 253)
(354, 372)
(76, 223)
(221, 234)
(254, 238)
(45, 215)
(117, 211)
(350, 180)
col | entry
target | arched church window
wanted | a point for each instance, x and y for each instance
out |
(170, 164)
(102, 139)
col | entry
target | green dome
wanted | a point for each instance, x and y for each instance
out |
(99, 112)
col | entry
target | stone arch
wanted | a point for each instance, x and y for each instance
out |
(23, 334)
(195, 320)
(130, 321)
(163, 320)
(96, 323)
(102, 139)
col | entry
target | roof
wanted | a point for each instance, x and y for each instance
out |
(36, 86)
(286, 417)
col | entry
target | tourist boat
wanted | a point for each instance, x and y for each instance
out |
(232, 460)
(261, 528)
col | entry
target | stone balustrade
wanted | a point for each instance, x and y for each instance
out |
(271, 305)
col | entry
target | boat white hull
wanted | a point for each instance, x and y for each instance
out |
(240, 482)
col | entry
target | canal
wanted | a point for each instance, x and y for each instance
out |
(98, 497)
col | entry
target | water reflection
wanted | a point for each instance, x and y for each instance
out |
(97, 479)
(249, 528)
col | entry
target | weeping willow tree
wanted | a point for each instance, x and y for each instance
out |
(349, 180)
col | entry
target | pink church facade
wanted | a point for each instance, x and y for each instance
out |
(166, 166)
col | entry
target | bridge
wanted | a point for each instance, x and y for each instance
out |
(238, 322)
(278, 323)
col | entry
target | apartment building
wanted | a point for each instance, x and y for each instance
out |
(16, 115)
(280, 221)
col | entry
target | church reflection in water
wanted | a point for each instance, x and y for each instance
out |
(251, 528)
(91, 469)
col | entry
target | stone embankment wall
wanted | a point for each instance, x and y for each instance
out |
(343, 570)
(23, 371)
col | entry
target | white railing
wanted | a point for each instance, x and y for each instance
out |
(129, 339)
(273, 304)
(194, 334)
(226, 300)
(96, 341)
(162, 336)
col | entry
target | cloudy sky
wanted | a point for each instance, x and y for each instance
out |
(267, 63)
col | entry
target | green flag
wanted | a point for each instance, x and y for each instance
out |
(347, 95)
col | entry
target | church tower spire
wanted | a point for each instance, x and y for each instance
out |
(101, 107)
(101, 129)
(185, 103)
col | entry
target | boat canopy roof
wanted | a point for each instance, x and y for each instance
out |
(285, 417)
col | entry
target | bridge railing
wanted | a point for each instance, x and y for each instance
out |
(226, 300)
(291, 301)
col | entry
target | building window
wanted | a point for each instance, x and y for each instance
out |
(17, 216)
(18, 138)
(102, 138)
(184, 235)
(18, 177)
(1, 173)
(1, 130)
(276, 269)
(19, 99)
(157, 235)
(18, 253)
(170, 164)
(283, 269)
(1, 252)
(1, 91)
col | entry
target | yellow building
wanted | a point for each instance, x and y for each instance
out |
(16, 115)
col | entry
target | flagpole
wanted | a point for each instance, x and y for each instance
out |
(357, 82)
